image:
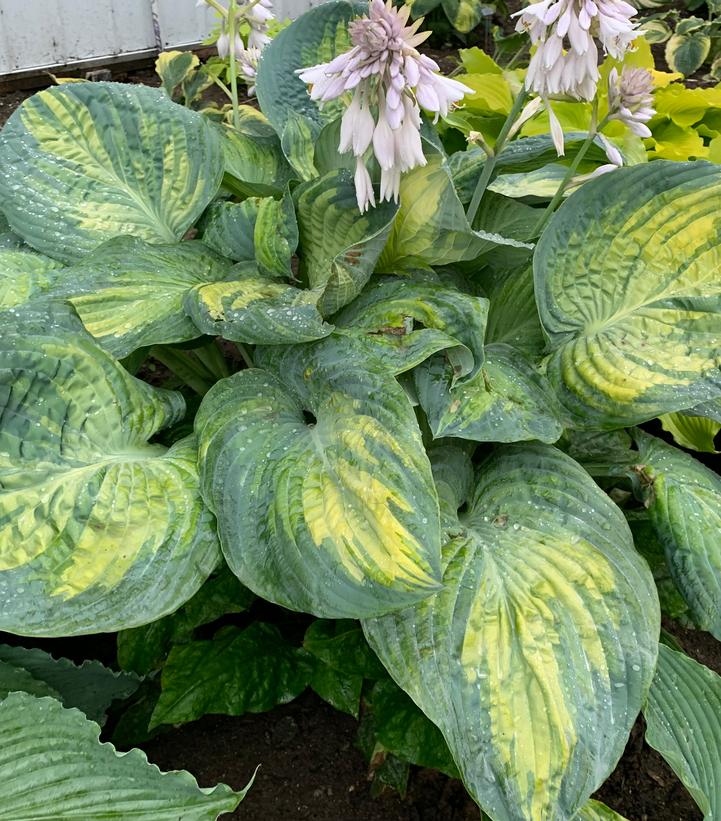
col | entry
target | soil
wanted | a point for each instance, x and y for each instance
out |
(309, 765)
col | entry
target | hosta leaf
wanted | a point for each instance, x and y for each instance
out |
(143, 649)
(257, 310)
(340, 246)
(342, 691)
(260, 230)
(513, 315)
(507, 401)
(315, 37)
(692, 432)
(404, 321)
(596, 811)
(431, 227)
(686, 53)
(254, 161)
(173, 67)
(307, 516)
(236, 672)
(403, 729)
(683, 722)
(99, 530)
(94, 160)
(298, 139)
(342, 646)
(24, 275)
(524, 154)
(15, 679)
(684, 502)
(7, 238)
(129, 293)
(631, 299)
(536, 656)
(52, 761)
(90, 686)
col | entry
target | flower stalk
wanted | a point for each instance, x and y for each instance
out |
(490, 164)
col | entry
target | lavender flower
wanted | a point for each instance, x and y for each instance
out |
(257, 14)
(248, 67)
(565, 62)
(390, 82)
(630, 99)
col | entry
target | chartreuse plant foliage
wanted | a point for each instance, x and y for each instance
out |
(408, 430)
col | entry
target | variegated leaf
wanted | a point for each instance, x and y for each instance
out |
(406, 320)
(99, 530)
(339, 246)
(684, 503)
(507, 401)
(84, 162)
(536, 656)
(629, 292)
(315, 470)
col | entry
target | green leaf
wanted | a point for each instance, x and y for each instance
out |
(595, 810)
(129, 293)
(261, 230)
(513, 314)
(94, 160)
(315, 37)
(340, 690)
(52, 757)
(99, 530)
(403, 730)
(236, 672)
(339, 246)
(298, 140)
(7, 238)
(173, 67)
(692, 432)
(342, 646)
(24, 275)
(431, 227)
(647, 543)
(90, 686)
(256, 310)
(15, 679)
(143, 649)
(476, 61)
(634, 334)
(465, 15)
(683, 498)
(507, 401)
(686, 53)
(404, 321)
(683, 722)
(253, 157)
(537, 654)
(305, 516)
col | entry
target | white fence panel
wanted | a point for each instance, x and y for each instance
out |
(40, 34)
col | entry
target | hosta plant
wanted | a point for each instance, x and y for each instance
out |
(220, 378)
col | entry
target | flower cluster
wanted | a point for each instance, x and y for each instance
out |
(390, 82)
(564, 32)
(630, 99)
(257, 14)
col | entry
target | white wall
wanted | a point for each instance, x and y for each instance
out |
(40, 34)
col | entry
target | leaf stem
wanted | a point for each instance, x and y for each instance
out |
(594, 129)
(232, 30)
(490, 164)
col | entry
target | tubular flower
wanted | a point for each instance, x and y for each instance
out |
(248, 66)
(390, 82)
(564, 32)
(257, 14)
(630, 99)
